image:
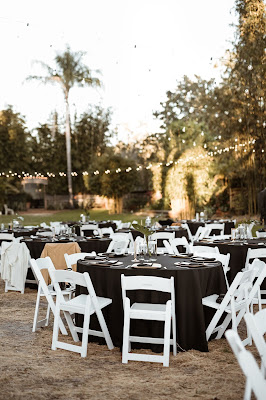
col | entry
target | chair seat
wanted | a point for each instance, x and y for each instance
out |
(78, 303)
(210, 301)
(148, 307)
(148, 311)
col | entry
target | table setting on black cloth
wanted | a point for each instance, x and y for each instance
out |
(194, 279)
(36, 244)
(238, 252)
(17, 232)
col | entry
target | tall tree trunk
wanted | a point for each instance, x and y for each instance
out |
(68, 156)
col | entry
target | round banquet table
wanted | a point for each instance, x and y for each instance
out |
(238, 253)
(86, 245)
(191, 284)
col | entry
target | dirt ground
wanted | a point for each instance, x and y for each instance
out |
(30, 370)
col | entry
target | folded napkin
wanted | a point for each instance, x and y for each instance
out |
(103, 263)
(146, 265)
(188, 255)
(202, 259)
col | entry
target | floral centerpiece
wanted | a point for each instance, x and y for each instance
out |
(146, 232)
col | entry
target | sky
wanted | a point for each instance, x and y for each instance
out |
(141, 47)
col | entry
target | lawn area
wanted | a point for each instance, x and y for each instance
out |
(36, 217)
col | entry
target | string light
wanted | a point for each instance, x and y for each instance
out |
(217, 151)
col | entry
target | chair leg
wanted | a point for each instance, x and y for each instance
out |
(125, 347)
(167, 331)
(85, 332)
(36, 312)
(174, 334)
(105, 329)
(248, 391)
(47, 314)
(213, 323)
(56, 327)
(71, 326)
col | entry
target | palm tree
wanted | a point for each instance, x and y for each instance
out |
(69, 71)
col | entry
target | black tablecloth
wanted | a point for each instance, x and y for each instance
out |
(238, 253)
(190, 286)
(98, 245)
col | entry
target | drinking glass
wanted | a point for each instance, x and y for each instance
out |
(152, 246)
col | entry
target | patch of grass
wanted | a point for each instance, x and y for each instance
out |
(36, 218)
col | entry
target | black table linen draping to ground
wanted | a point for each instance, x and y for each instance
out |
(191, 284)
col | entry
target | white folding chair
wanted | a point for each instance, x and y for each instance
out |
(249, 230)
(254, 378)
(252, 254)
(223, 258)
(256, 324)
(8, 210)
(235, 300)
(256, 254)
(89, 227)
(120, 243)
(55, 227)
(148, 311)
(162, 236)
(190, 236)
(118, 223)
(260, 234)
(198, 250)
(198, 234)
(174, 243)
(256, 266)
(71, 259)
(47, 291)
(214, 226)
(103, 231)
(86, 304)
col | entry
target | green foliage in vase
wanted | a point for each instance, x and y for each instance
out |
(146, 232)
